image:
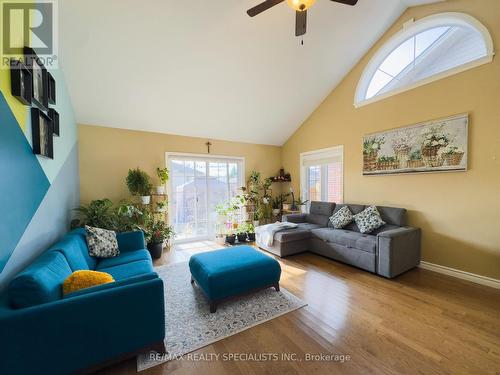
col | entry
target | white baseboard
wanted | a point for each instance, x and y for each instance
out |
(478, 279)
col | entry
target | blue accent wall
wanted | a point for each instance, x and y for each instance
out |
(23, 184)
(37, 195)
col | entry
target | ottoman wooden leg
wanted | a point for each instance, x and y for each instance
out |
(192, 280)
(213, 307)
(277, 287)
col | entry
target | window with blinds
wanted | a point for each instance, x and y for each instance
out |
(322, 175)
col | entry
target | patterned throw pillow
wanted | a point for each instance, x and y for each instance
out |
(369, 220)
(341, 218)
(102, 243)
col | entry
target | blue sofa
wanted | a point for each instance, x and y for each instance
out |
(43, 332)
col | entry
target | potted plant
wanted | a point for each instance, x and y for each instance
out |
(230, 236)
(97, 213)
(434, 139)
(276, 204)
(161, 206)
(250, 230)
(371, 148)
(241, 233)
(157, 233)
(139, 183)
(256, 217)
(163, 177)
(402, 145)
(415, 160)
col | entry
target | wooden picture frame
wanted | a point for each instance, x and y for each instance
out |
(51, 88)
(21, 81)
(54, 116)
(39, 75)
(43, 134)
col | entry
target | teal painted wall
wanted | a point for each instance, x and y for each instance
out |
(37, 195)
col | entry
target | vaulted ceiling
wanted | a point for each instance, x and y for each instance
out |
(204, 68)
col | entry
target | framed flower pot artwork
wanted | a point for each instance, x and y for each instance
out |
(20, 79)
(433, 146)
(40, 89)
(43, 133)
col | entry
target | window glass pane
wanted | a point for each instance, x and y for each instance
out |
(378, 82)
(314, 187)
(427, 38)
(399, 59)
(335, 182)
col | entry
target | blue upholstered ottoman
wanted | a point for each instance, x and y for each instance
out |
(223, 274)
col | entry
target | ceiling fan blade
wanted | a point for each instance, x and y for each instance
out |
(300, 23)
(263, 7)
(346, 2)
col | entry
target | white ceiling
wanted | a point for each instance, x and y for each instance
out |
(204, 68)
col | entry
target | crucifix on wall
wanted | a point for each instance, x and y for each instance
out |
(208, 144)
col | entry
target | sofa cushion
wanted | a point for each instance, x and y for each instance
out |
(102, 243)
(369, 220)
(123, 258)
(364, 242)
(322, 208)
(126, 270)
(41, 282)
(392, 215)
(74, 248)
(384, 228)
(341, 218)
(290, 235)
(355, 209)
(85, 279)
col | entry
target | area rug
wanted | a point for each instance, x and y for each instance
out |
(191, 326)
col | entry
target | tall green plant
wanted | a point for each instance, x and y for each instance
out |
(139, 182)
(163, 175)
(97, 213)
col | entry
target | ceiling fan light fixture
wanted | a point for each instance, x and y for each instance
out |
(300, 5)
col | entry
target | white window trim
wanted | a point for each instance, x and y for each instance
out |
(336, 150)
(410, 29)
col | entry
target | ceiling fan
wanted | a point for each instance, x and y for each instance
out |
(300, 7)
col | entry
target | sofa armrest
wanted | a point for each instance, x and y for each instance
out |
(130, 241)
(77, 333)
(398, 251)
(294, 218)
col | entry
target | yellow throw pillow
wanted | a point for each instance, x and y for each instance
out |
(85, 279)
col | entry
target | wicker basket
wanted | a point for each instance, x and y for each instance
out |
(402, 155)
(431, 151)
(453, 159)
(387, 165)
(370, 161)
(433, 161)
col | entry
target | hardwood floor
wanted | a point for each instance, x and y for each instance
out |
(420, 323)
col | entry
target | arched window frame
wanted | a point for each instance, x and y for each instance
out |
(409, 30)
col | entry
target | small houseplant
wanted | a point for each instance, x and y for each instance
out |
(157, 232)
(241, 233)
(161, 206)
(163, 175)
(139, 183)
(250, 231)
(230, 236)
(276, 204)
(97, 213)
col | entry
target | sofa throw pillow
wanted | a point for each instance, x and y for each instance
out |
(85, 279)
(369, 220)
(341, 218)
(102, 243)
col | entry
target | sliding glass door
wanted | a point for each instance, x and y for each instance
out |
(197, 184)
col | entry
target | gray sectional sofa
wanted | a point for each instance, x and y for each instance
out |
(388, 251)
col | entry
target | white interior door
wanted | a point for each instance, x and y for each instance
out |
(197, 184)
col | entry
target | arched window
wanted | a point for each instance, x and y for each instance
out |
(424, 51)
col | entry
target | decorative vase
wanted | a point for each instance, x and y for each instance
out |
(160, 190)
(155, 249)
(370, 161)
(146, 199)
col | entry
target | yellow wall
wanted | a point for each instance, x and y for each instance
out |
(106, 155)
(458, 212)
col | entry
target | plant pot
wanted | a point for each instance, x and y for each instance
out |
(251, 237)
(231, 239)
(286, 206)
(160, 190)
(370, 161)
(242, 237)
(453, 159)
(276, 211)
(146, 199)
(255, 223)
(155, 249)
